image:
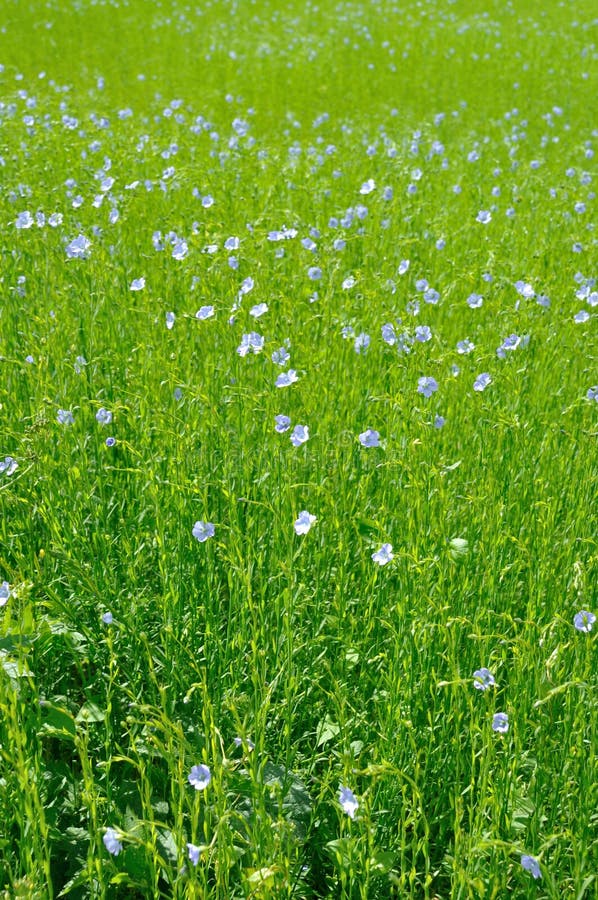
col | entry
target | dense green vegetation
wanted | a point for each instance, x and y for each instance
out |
(297, 433)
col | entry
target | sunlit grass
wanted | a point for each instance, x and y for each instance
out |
(291, 610)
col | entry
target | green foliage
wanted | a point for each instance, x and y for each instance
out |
(293, 665)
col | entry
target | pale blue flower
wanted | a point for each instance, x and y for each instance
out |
(531, 865)
(78, 247)
(525, 289)
(138, 284)
(583, 620)
(482, 382)
(349, 282)
(8, 465)
(281, 356)
(24, 220)
(193, 852)
(362, 342)
(500, 723)
(304, 522)
(199, 777)
(103, 416)
(369, 438)
(388, 334)
(65, 417)
(204, 312)
(258, 310)
(581, 317)
(315, 273)
(283, 423)
(170, 320)
(384, 555)
(252, 342)
(423, 333)
(403, 266)
(180, 249)
(202, 531)
(300, 435)
(474, 301)
(348, 801)
(427, 386)
(368, 186)
(483, 679)
(592, 393)
(111, 842)
(465, 346)
(107, 618)
(439, 421)
(484, 216)
(286, 378)
(110, 441)
(4, 593)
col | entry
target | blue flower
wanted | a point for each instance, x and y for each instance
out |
(362, 342)
(383, 555)
(4, 593)
(77, 249)
(369, 438)
(110, 441)
(193, 853)
(388, 334)
(348, 801)
(483, 679)
(111, 842)
(103, 416)
(281, 356)
(286, 378)
(500, 723)
(482, 382)
(283, 423)
(300, 435)
(304, 522)
(8, 465)
(202, 531)
(204, 312)
(199, 777)
(137, 284)
(484, 216)
(583, 620)
(65, 417)
(427, 386)
(252, 342)
(531, 864)
(474, 301)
